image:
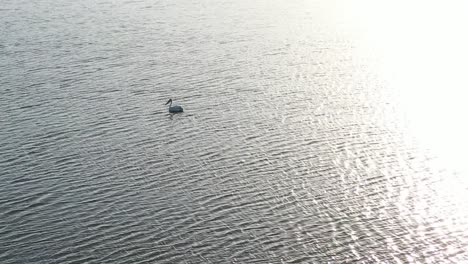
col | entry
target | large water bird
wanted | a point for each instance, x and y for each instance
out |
(175, 108)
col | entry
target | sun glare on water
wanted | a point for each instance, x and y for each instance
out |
(423, 50)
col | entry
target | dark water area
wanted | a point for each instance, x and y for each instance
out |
(312, 132)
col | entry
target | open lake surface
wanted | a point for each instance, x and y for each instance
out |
(313, 132)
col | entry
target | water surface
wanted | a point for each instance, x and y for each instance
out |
(313, 132)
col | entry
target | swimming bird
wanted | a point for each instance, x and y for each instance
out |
(175, 108)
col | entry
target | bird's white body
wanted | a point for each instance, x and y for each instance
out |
(175, 108)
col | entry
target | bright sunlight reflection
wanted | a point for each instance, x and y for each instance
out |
(422, 51)
(423, 46)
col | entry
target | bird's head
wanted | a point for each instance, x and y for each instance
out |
(168, 102)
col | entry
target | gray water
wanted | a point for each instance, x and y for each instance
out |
(298, 143)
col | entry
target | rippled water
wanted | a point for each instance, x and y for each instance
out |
(298, 143)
